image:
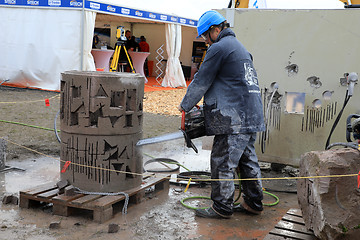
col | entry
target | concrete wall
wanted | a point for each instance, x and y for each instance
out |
(306, 52)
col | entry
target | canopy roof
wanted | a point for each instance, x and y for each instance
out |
(104, 6)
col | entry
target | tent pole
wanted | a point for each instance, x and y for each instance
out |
(82, 36)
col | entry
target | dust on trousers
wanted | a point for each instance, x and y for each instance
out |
(229, 152)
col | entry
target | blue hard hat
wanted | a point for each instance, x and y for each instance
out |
(207, 20)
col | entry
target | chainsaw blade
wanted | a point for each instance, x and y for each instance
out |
(162, 138)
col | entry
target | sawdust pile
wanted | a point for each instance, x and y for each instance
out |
(164, 102)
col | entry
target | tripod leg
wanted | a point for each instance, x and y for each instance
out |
(115, 59)
(127, 55)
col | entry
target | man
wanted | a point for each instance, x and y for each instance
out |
(233, 113)
(144, 47)
(128, 40)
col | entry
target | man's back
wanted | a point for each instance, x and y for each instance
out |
(144, 46)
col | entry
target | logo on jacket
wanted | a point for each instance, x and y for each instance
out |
(250, 75)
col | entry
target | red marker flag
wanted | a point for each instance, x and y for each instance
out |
(66, 165)
(47, 102)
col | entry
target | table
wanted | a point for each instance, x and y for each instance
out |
(102, 58)
(138, 59)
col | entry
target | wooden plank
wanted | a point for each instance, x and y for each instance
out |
(85, 199)
(48, 194)
(109, 200)
(291, 234)
(62, 199)
(103, 202)
(293, 219)
(24, 202)
(39, 189)
(102, 216)
(293, 227)
(62, 210)
(274, 237)
(295, 212)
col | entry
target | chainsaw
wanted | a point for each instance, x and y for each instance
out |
(192, 126)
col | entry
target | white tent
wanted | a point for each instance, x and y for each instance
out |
(42, 39)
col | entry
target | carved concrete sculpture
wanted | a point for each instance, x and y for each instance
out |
(101, 121)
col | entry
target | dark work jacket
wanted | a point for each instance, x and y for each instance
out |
(228, 81)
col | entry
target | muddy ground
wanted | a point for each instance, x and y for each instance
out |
(159, 216)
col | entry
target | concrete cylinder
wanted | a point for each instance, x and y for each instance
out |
(101, 117)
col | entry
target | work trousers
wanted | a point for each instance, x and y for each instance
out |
(229, 152)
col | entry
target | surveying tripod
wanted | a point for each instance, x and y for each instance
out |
(120, 43)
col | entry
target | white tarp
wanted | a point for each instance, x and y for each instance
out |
(39, 44)
(174, 76)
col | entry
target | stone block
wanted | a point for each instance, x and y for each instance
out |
(54, 225)
(113, 228)
(70, 190)
(10, 199)
(330, 205)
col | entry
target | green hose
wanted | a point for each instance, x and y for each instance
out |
(182, 201)
(28, 125)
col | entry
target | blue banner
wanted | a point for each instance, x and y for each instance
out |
(101, 7)
(43, 3)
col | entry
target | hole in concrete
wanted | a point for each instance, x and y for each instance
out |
(76, 92)
(139, 119)
(295, 102)
(94, 117)
(62, 86)
(292, 69)
(343, 81)
(274, 85)
(131, 100)
(128, 174)
(316, 103)
(314, 82)
(74, 119)
(128, 121)
(101, 92)
(327, 95)
(117, 99)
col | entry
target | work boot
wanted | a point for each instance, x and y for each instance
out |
(209, 213)
(244, 208)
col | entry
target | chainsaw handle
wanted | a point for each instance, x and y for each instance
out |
(183, 118)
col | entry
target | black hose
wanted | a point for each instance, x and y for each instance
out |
(350, 145)
(164, 160)
(195, 175)
(347, 98)
(348, 126)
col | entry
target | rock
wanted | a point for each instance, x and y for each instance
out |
(330, 206)
(113, 228)
(70, 190)
(62, 184)
(54, 225)
(10, 199)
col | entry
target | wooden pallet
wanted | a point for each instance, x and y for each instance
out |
(101, 207)
(291, 226)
